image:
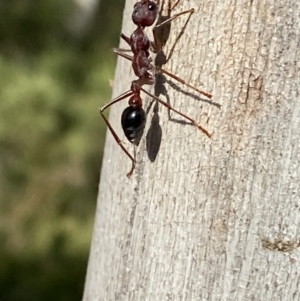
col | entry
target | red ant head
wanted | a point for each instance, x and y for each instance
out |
(144, 13)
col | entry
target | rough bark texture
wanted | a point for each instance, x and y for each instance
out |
(209, 219)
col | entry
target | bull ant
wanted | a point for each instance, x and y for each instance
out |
(133, 118)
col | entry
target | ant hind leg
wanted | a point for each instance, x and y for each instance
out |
(116, 137)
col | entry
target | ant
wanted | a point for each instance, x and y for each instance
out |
(133, 119)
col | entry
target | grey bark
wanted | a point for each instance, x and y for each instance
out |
(209, 219)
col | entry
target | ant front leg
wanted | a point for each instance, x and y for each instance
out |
(160, 38)
(162, 28)
(118, 140)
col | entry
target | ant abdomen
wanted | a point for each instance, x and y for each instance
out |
(133, 122)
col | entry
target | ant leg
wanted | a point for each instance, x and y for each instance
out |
(174, 5)
(125, 38)
(179, 113)
(118, 140)
(184, 82)
(128, 57)
(121, 52)
(189, 11)
(157, 44)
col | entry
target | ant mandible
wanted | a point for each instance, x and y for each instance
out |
(133, 118)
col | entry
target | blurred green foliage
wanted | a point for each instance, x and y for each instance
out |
(51, 137)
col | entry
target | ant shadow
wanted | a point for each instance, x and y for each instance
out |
(154, 134)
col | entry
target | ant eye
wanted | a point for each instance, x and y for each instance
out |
(152, 6)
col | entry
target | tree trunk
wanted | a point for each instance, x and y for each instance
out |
(208, 219)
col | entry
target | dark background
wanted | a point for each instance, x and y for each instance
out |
(55, 74)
